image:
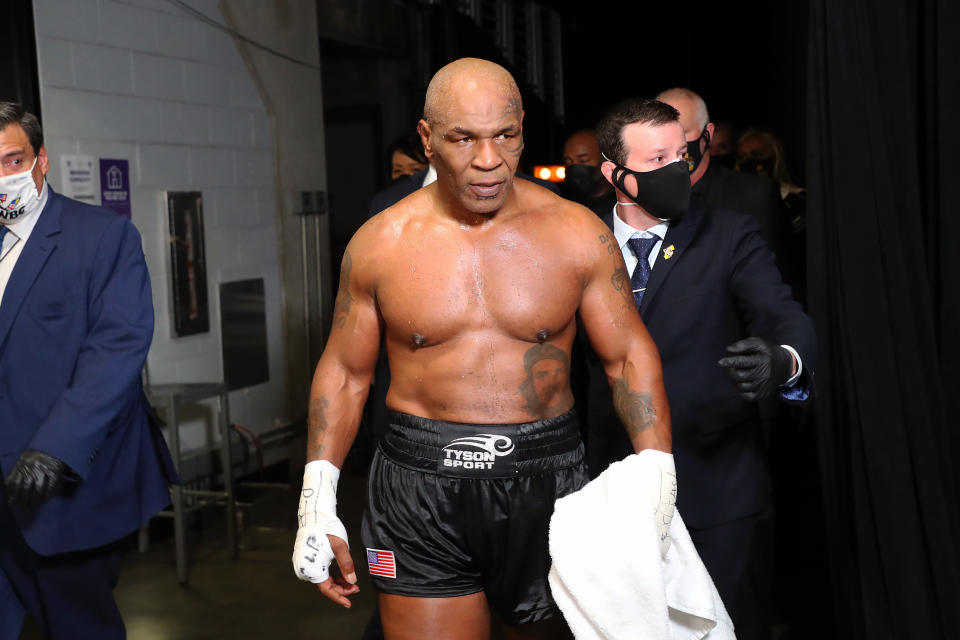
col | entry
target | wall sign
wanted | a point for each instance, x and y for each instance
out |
(78, 178)
(115, 185)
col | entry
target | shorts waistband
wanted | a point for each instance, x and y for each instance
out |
(543, 445)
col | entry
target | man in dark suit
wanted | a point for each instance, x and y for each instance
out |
(719, 187)
(83, 464)
(708, 290)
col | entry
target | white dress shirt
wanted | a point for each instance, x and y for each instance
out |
(18, 232)
(623, 232)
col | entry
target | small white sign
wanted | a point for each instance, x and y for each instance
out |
(79, 178)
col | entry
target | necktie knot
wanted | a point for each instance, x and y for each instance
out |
(641, 248)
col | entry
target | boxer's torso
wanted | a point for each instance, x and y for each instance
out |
(479, 320)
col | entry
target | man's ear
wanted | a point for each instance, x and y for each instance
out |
(710, 129)
(606, 168)
(42, 160)
(423, 128)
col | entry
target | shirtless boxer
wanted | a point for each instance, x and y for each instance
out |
(475, 282)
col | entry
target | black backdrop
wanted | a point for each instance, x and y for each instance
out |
(884, 279)
(18, 63)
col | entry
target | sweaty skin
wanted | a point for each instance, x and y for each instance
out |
(461, 305)
(475, 282)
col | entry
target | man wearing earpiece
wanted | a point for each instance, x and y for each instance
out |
(728, 333)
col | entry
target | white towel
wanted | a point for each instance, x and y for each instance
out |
(608, 576)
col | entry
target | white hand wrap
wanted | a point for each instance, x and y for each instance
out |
(317, 517)
(662, 481)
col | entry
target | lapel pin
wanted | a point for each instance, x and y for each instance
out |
(668, 252)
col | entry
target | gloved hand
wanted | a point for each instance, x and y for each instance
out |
(317, 517)
(35, 478)
(757, 367)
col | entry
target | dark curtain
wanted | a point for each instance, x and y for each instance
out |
(883, 245)
(18, 63)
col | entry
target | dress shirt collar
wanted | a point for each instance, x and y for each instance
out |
(623, 231)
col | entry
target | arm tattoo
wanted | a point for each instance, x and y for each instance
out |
(635, 409)
(620, 279)
(341, 306)
(316, 425)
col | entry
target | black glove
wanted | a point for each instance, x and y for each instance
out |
(35, 477)
(757, 367)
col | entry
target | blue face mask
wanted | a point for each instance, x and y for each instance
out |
(664, 193)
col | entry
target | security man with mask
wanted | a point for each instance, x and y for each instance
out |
(583, 182)
(729, 334)
(83, 463)
(717, 186)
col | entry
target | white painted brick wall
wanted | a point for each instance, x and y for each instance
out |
(145, 81)
(158, 77)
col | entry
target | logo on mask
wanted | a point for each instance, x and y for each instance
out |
(9, 211)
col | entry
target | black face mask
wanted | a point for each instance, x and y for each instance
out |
(663, 193)
(582, 182)
(694, 155)
(758, 166)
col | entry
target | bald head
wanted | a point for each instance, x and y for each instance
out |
(466, 77)
(692, 108)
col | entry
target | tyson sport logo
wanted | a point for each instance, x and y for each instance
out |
(476, 452)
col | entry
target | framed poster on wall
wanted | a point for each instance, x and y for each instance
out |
(188, 264)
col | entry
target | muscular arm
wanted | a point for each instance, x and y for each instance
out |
(342, 378)
(621, 341)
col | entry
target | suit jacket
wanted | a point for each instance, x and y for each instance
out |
(76, 321)
(713, 283)
(758, 197)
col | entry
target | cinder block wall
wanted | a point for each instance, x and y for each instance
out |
(141, 80)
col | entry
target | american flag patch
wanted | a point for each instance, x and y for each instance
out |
(381, 563)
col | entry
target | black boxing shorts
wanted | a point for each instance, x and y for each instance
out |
(454, 509)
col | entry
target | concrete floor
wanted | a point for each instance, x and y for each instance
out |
(255, 596)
